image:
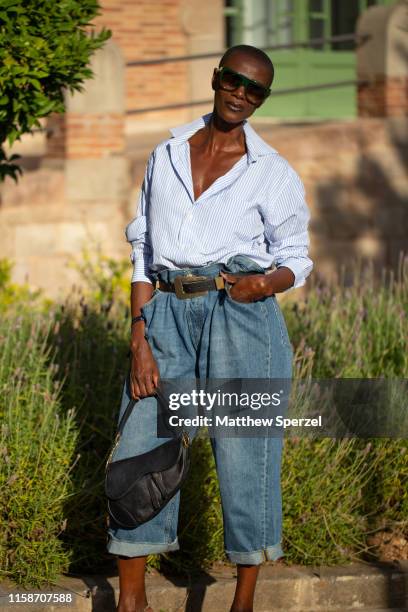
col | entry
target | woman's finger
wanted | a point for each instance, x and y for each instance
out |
(142, 387)
(231, 278)
(134, 389)
(149, 386)
(156, 379)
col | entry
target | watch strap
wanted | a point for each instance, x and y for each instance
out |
(138, 318)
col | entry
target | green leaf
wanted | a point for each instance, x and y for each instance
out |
(44, 49)
(12, 136)
(35, 83)
(47, 108)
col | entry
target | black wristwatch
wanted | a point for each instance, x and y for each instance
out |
(139, 318)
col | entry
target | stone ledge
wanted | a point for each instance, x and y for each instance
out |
(374, 587)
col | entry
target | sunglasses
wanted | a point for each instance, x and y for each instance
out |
(229, 80)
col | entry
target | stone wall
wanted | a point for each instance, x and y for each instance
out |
(356, 184)
(382, 61)
(75, 196)
(146, 30)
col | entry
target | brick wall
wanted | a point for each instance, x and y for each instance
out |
(382, 61)
(146, 29)
(383, 97)
(94, 135)
(56, 137)
(85, 136)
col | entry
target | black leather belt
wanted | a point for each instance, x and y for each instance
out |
(189, 286)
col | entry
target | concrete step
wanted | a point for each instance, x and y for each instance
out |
(356, 587)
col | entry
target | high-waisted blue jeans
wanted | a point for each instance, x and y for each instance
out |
(214, 336)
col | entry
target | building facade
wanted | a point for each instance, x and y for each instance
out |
(164, 30)
(270, 23)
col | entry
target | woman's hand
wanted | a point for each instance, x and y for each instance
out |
(144, 373)
(257, 286)
(248, 288)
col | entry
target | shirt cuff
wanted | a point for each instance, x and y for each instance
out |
(300, 269)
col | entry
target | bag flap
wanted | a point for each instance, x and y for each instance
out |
(122, 475)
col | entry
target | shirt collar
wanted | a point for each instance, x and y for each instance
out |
(256, 146)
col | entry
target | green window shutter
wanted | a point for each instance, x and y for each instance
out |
(233, 12)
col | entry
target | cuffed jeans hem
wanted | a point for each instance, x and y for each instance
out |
(139, 549)
(256, 557)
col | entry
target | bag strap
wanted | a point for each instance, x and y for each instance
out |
(129, 409)
(184, 438)
(119, 431)
(126, 415)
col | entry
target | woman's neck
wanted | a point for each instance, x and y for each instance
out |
(218, 135)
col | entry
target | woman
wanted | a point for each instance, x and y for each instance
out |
(219, 203)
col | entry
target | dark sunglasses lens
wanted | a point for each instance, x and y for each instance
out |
(255, 93)
(230, 81)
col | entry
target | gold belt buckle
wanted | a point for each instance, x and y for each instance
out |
(179, 289)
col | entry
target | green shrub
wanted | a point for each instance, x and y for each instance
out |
(90, 340)
(45, 47)
(322, 490)
(37, 447)
(358, 330)
(355, 331)
(106, 280)
(17, 296)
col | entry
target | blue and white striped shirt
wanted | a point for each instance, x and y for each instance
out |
(256, 209)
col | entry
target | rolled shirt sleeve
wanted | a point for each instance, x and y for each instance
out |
(137, 232)
(286, 220)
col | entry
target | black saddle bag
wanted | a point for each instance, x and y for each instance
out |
(139, 487)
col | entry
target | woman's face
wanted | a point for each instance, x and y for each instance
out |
(232, 106)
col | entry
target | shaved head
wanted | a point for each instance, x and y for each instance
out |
(251, 52)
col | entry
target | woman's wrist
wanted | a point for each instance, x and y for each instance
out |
(137, 333)
(279, 280)
(269, 285)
